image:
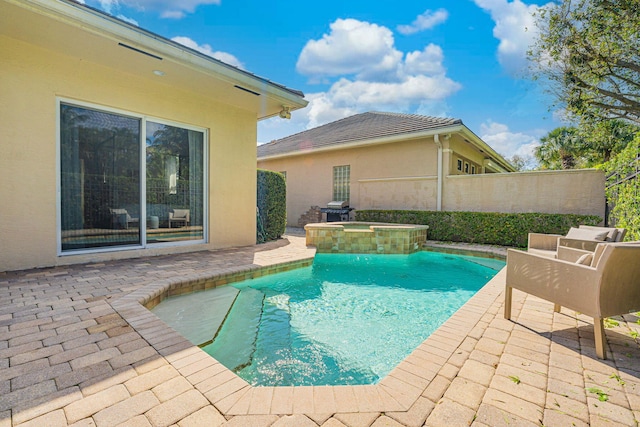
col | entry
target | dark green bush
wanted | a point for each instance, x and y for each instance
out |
(272, 206)
(505, 229)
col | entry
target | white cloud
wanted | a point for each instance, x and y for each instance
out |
(174, 9)
(426, 21)
(347, 97)
(508, 143)
(207, 50)
(427, 61)
(365, 72)
(516, 29)
(351, 48)
(109, 5)
(401, 95)
(369, 74)
(323, 109)
(127, 19)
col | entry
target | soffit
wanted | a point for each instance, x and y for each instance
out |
(79, 32)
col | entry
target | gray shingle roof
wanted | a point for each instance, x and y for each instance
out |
(360, 127)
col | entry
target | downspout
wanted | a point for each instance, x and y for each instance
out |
(436, 139)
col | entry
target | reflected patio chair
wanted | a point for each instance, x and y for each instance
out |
(120, 218)
(179, 216)
(584, 237)
(600, 284)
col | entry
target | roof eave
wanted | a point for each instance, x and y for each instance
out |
(88, 18)
(502, 164)
(369, 142)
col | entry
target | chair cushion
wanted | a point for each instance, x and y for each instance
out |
(587, 234)
(585, 259)
(612, 234)
(180, 213)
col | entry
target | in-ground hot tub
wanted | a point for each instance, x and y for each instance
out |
(366, 237)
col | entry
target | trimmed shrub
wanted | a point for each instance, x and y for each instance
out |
(492, 228)
(272, 206)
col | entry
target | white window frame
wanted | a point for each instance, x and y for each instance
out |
(143, 179)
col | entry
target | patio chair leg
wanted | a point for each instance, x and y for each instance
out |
(598, 330)
(557, 308)
(508, 293)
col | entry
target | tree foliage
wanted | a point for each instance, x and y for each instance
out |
(589, 145)
(560, 149)
(623, 189)
(590, 52)
(604, 140)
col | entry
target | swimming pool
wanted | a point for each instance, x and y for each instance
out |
(347, 319)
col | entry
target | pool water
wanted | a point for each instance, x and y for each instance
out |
(346, 320)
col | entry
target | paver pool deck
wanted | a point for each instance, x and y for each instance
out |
(77, 348)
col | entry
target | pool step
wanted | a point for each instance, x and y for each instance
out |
(235, 342)
(273, 343)
(197, 316)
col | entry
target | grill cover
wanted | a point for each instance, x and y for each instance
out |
(338, 204)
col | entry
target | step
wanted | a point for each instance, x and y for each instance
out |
(235, 342)
(197, 316)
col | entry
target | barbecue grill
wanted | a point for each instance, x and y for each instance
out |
(337, 211)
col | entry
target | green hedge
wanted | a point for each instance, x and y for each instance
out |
(505, 229)
(272, 206)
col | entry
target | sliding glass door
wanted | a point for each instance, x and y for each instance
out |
(111, 196)
(175, 183)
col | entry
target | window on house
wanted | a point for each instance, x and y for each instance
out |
(466, 167)
(460, 165)
(341, 182)
(111, 195)
(473, 170)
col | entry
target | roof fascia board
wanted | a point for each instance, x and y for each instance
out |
(88, 19)
(368, 142)
(480, 144)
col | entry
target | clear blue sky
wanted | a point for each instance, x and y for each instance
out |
(464, 58)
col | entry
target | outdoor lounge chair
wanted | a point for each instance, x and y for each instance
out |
(585, 237)
(607, 285)
(120, 218)
(179, 216)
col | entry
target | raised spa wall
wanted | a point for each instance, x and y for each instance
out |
(366, 238)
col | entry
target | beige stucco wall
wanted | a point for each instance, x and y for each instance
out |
(373, 172)
(30, 80)
(398, 193)
(575, 191)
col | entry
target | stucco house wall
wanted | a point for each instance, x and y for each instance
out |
(34, 78)
(30, 80)
(310, 176)
(401, 174)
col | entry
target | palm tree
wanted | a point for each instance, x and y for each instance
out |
(560, 149)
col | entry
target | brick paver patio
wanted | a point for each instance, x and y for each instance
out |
(77, 348)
